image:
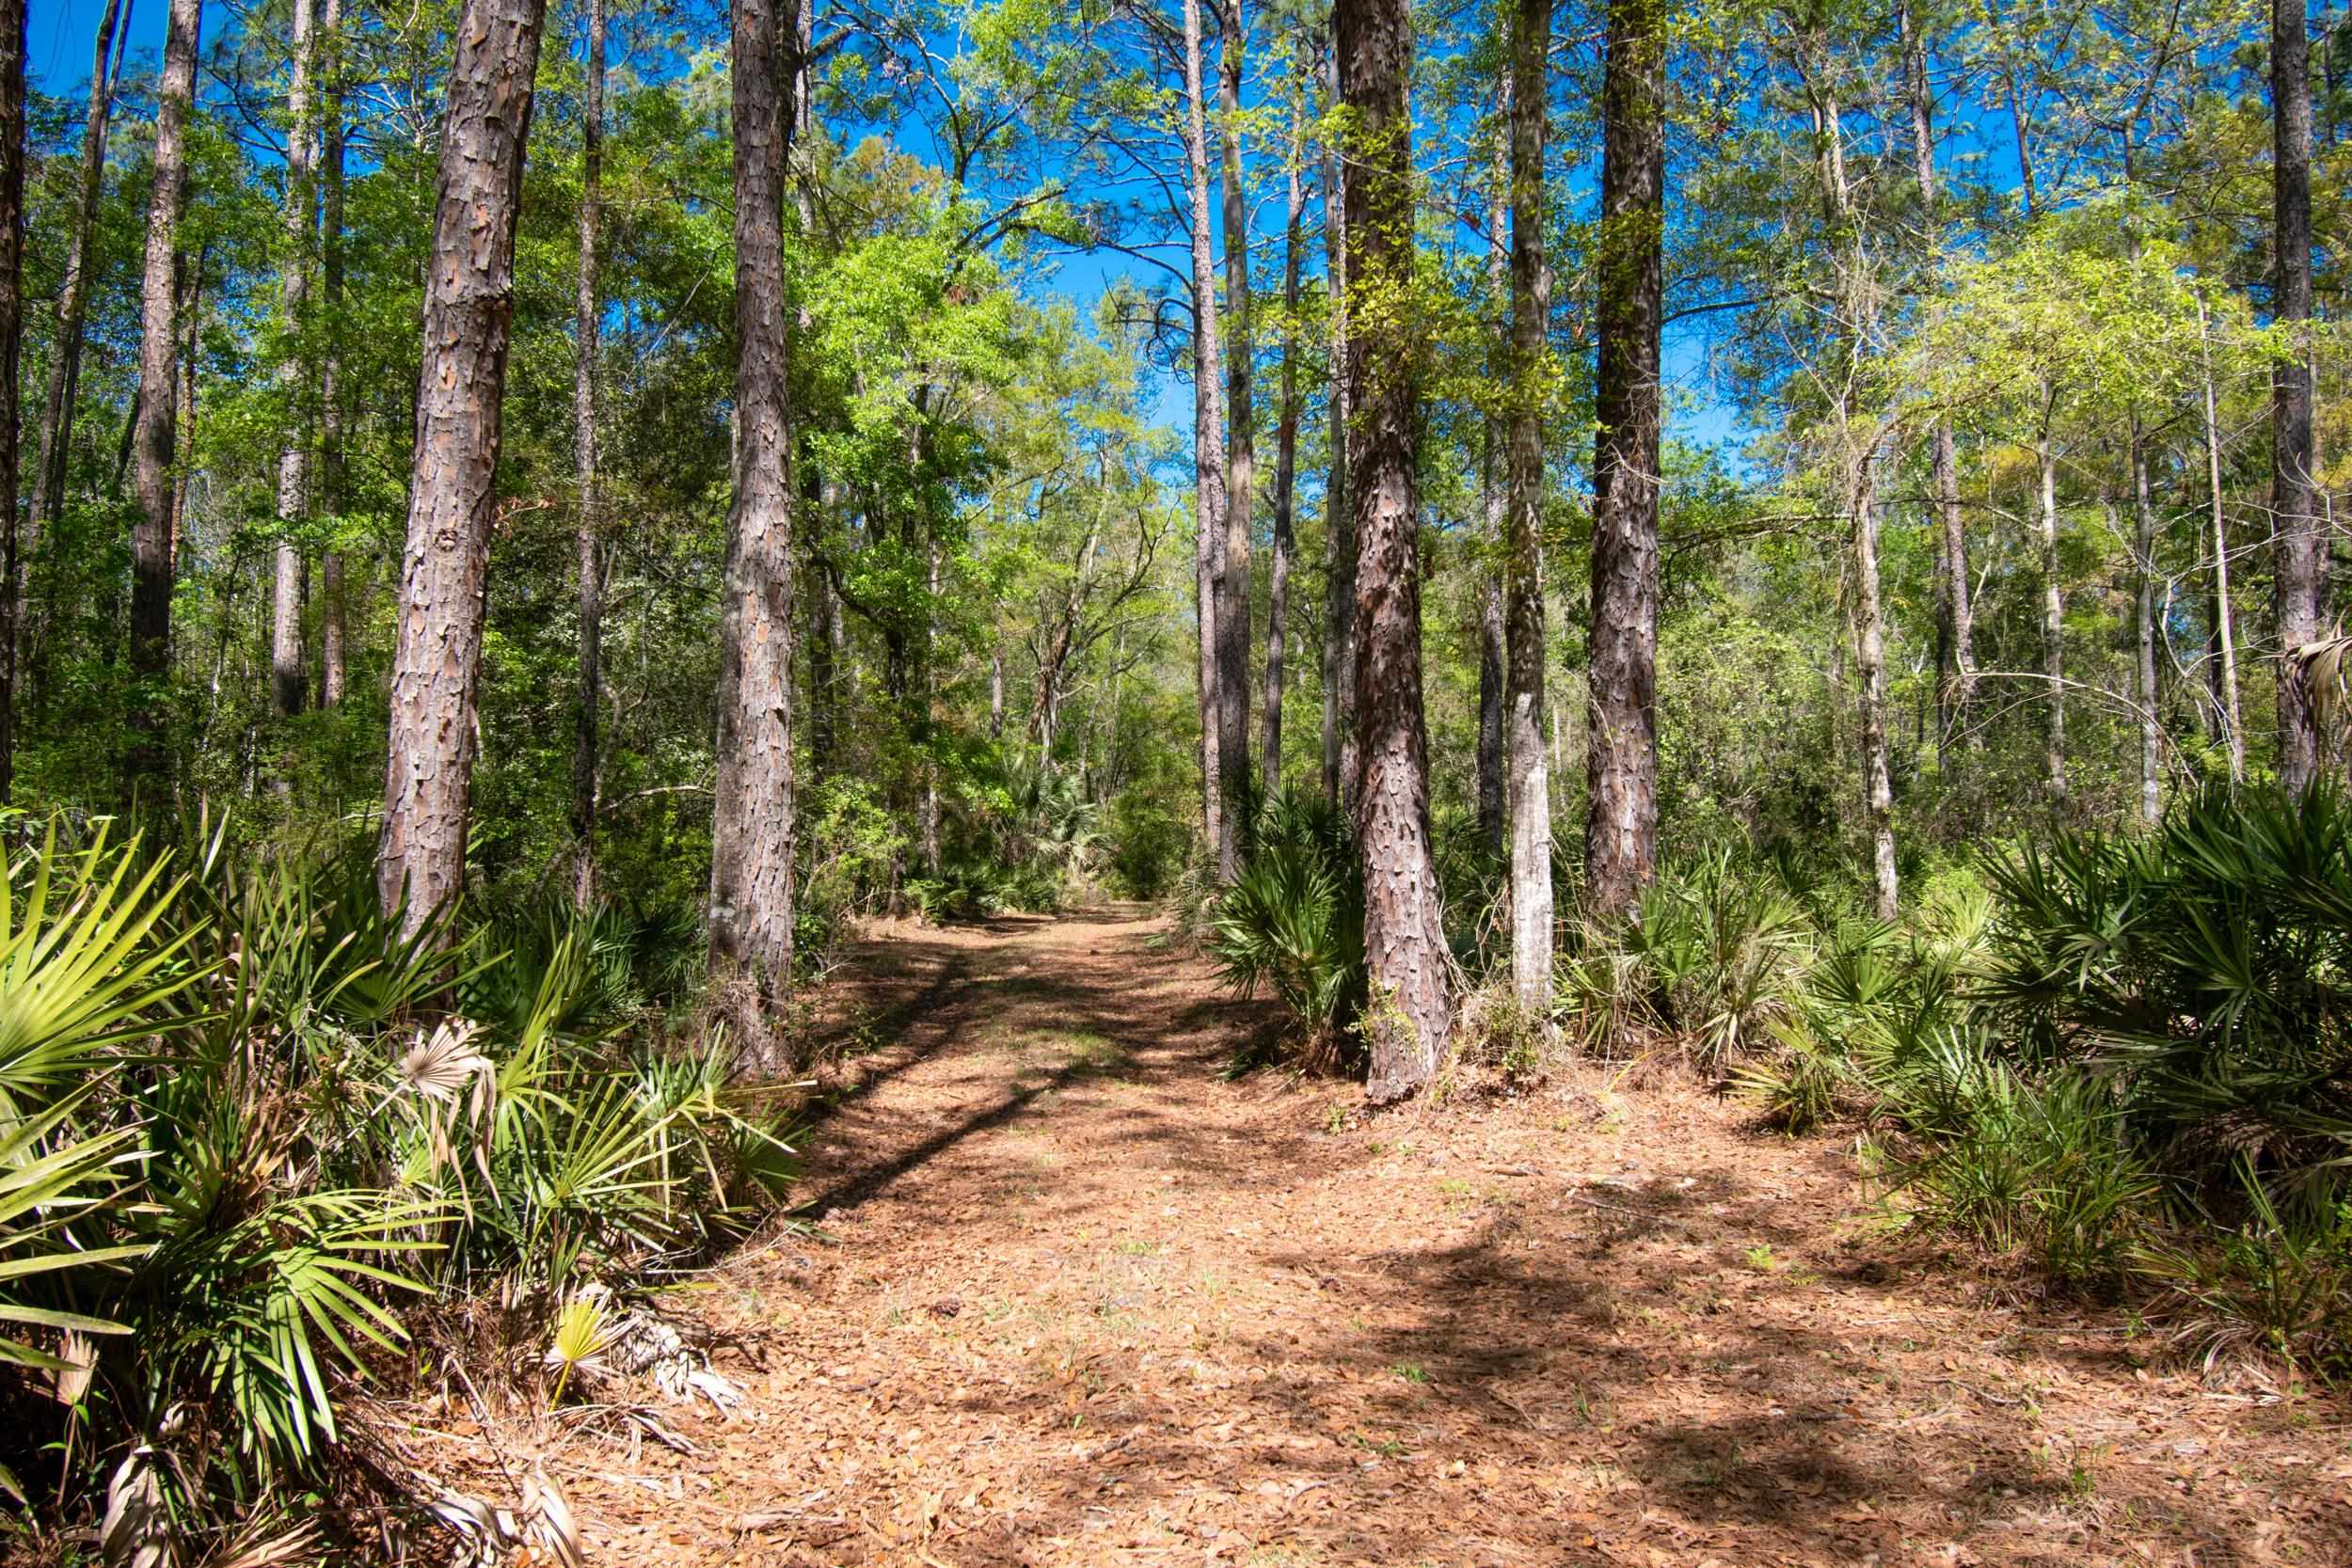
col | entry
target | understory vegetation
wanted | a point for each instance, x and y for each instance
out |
(263, 1150)
(2123, 1060)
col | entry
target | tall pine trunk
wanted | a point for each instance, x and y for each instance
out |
(2298, 532)
(1285, 469)
(287, 683)
(1411, 1007)
(1523, 554)
(1955, 623)
(334, 656)
(153, 441)
(1488, 581)
(1621, 826)
(589, 694)
(1240, 445)
(2053, 609)
(2144, 634)
(752, 830)
(1218, 802)
(2224, 638)
(469, 315)
(1339, 545)
(65, 356)
(12, 154)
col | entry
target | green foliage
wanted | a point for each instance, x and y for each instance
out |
(1293, 922)
(248, 1128)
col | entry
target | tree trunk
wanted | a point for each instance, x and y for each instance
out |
(154, 443)
(1241, 447)
(2225, 644)
(2298, 532)
(2053, 613)
(752, 832)
(1878, 787)
(1339, 544)
(1285, 470)
(469, 313)
(1523, 557)
(1522, 547)
(1411, 1008)
(287, 682)
(334, 658)
(1954, 629)
(1218, 802)
(12, 152)
(65, 357)
(586, 547)
(1489, 582)
(1621, 829)
(2144, 627)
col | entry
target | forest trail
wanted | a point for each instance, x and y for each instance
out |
(1079, 1299)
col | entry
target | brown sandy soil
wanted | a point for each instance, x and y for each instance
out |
(1078, 1299)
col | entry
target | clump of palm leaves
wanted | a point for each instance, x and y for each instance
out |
(1293, 921)
(1710, 959)
(249, 1125)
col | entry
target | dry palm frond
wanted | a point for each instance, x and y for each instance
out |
(2321, 670)
(137, 1530)
(458, 1086)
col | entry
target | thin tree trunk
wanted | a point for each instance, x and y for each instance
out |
(2299, 531)
(1878, 786)
(1411, 1007)
(2053, 612)
(1524, 558)
(1494, 503)
(287, 683)
(461, 390)
(587, 547)
(1241, 445)
(2224, 640)
(1339, 543)
(12, 154)
(1218, 802)
(1621, 829)
(334, 657)
(1285, 468)
(752, 832)
(154, 443)
(1956, 659)
(65, 359)
(2144, 606)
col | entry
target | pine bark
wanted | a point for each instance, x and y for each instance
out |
(2299, 531)
(1218, 802)
(1524, 558)
(1285, 471)
(153, 442)
(12, 156)
(1621, 826)
(287, 676)
(1241, 444)
(469, 315)
(65, 359)
(1494, 502)
(1411, 1007)
(334, 655)
(1338, 627)
(752, 831)
(588, 695)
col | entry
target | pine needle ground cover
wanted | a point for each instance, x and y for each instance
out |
(1079, 1298)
